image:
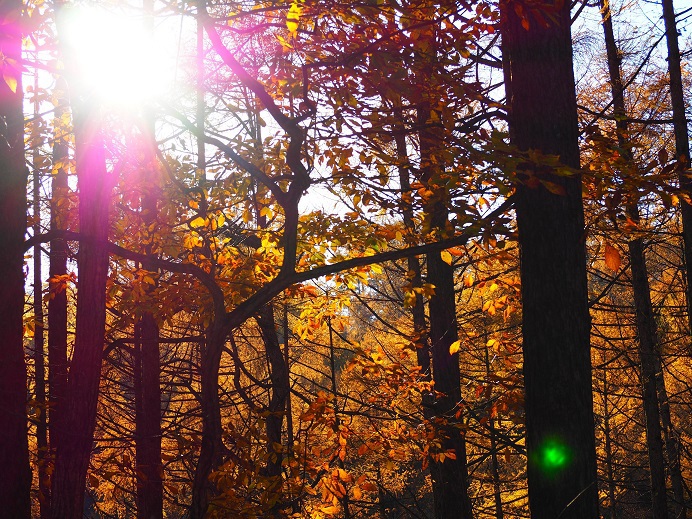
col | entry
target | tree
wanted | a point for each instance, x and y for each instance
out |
(15, 478)
(557, 364)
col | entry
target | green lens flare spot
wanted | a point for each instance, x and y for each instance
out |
(553, 455)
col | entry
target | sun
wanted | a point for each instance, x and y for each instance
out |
(116, 58)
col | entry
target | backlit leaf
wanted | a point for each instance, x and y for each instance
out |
(455, 346)
(612, 257)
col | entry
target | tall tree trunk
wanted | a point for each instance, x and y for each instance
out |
(76, 418)
(646, 324)
(278, 375)
(57, 282)
(557, 365)
(15, 471)
(682, 143)
(449, 476)
(212, 449)
(42, 455)
(610, 472)
(149, 469)
(682, 152)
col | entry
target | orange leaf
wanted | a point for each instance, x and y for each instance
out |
(612, 257)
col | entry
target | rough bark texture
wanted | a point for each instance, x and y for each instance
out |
(76, 418)
(15, 473)
(557, 364)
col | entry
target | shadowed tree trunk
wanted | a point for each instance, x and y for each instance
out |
(449, 476)
(149, 469)
(278, 375)
(682, 152)
(682, 142)
(557, 365)
(15, 472)
(76, 416)
(57, 282)
(646, 324)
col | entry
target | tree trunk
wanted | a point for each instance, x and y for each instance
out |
(76, 419)
(42, 454)
(557, 365)
(682, 152)
(682, 143)
(149, 470)
(212, 449)
(646, 324)
(15, 471)
(279, 382)
(449, 476)
(57, 283)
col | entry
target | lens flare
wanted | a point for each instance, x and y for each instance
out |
(553, 455)
(113, 58)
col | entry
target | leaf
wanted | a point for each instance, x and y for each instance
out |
(197, 222)
(454, 347)
(554, 188)
(446, 257)
(662, 156)
(612, 257)
(11, 81)
(293, 17)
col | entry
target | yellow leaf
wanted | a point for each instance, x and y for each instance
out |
(446, 257)
(11, 82)
(455, 346)
(197, 222)
(612, 257)
(293, 17)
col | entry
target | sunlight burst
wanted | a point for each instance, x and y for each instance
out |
(115, 59)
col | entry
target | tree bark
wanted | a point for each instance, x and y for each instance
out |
(280, 389)
(449, 476)
(149, 469)
(682, 143)
(42, 454)
(15, 471)
(557, 365)
(57, 285)
(76, 418)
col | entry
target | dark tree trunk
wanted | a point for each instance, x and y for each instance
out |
(557, 365)
(149, 470)
(278, 376)
(42, 454)
(76, 418)
(449, 476)
(682, 143)
(646, 323)
(57, 286)
(682, 152)
(15, 472)
(212, 449)
(647, 357)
